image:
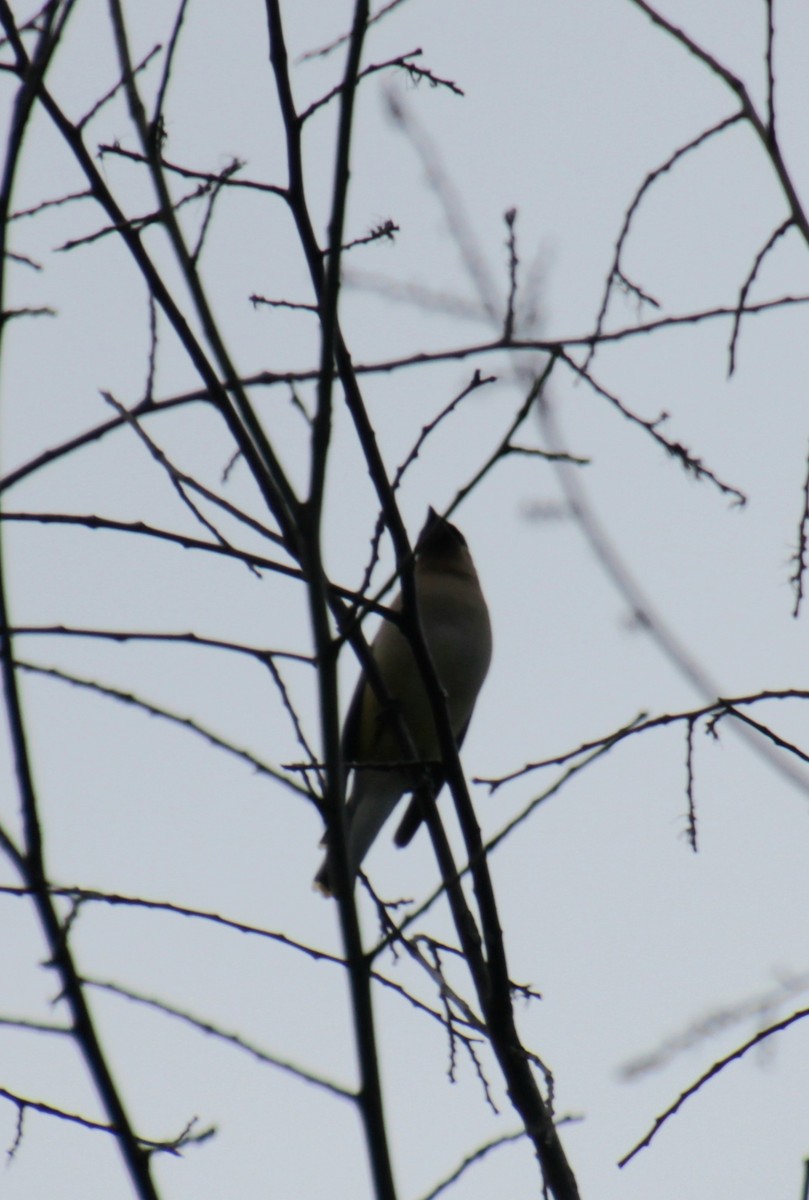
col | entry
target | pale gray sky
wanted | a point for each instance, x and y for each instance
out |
(631, 938)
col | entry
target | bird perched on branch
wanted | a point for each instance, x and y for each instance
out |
(455, 622)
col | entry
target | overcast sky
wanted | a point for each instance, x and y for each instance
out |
(636, 943)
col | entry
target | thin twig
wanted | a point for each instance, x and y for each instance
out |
(131, 635)
(748, 283)
(155, 710)
(502, 1140)
(718, 1066)
(675, 450)
(231, 1038)
(652, 177)
(689, 784)
(799, 557)
(513, 263)
(187, 1138)
(115, 89)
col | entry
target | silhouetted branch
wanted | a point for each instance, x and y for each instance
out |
(513, 262)
(675, 450)
(155, 710)
(799, 557)
(726, 706)
(22, 1103)
(718, 1066)
(402, 62)
(783, 228)
(615, 272)
(503, 1140)
(758, 1008)
(222, 1035)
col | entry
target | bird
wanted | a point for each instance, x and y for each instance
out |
(455, 621)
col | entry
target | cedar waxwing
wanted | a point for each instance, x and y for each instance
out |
(455, 622)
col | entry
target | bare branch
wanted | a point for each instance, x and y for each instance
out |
(160, 101)
(155, 710)
(689, 784)
(223, 1035)
(759, 1008)
(769, 58)
(799, 557)
(765, 130)
(502, 1140)
(718, 1066)
(721, 707)
(186, 1138)
(384, 11)
(126, 635)
(403, 62)
(513, 262)
(115, 89)
(615, 272)
(225, 178)
(675, 450)
(783, 228)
